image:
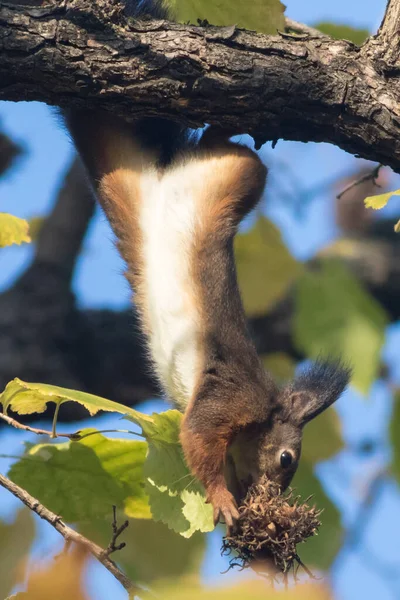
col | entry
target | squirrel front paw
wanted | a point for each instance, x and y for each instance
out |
(224, 506)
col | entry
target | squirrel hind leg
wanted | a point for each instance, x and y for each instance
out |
(235, 184)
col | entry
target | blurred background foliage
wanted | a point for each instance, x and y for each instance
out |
(341, 296)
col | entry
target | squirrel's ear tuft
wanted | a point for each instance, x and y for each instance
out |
(314, 390)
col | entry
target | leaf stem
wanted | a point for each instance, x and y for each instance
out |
(76, 436)
(54, 426)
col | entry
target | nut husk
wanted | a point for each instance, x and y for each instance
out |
(269, 529)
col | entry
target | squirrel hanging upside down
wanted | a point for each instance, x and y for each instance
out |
(175, 206)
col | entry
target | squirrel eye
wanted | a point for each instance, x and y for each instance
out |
(286, 459)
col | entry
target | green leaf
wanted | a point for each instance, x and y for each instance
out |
(27, 398)
(264, 16)
(336, 316)
(318, 551)
(152, 552)
(13, 230)
(160, 427)
(129, 474)
(82, 480)
(395, 435)
(280, 365)
(176, 497)
(379, 201)
(343, 32)
(265, 267)
(15, 542)
(322, 437)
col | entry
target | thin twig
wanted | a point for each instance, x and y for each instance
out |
(303, 29)
(69, 534)
(77, 436)
(19, 425)
(112, 547)
(371, 176)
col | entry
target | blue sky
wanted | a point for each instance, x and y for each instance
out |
(29, 190)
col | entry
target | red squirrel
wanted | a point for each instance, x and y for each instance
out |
(175, 206)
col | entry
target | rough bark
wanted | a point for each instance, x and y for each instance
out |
(77, 52)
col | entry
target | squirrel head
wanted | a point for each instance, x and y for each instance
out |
(273, 447)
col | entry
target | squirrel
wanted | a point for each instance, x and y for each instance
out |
(175, 205)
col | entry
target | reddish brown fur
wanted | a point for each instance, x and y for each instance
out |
(120, 195)
(233, 189)
(224, 402)
(115, 161)
(232, 390)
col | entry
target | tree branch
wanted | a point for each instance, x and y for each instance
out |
(18, 425)
(116, 532)
(60, 237)
(304, 29)
(307, 89)
(372, 175)
(9, 151)
(388, 33)
(69, 534)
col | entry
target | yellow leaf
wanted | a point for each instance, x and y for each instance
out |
(62, 579)
(379, 201)
(13, 230)
(397, 227)
(15, 542)
(256, 590)
(343, 247)
(27, 398)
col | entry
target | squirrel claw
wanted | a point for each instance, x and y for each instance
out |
(224, 506)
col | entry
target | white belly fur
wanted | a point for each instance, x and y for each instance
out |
(168, 219)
